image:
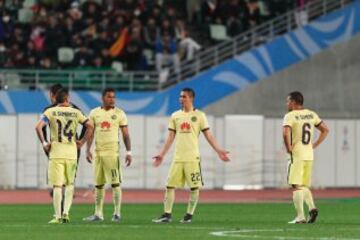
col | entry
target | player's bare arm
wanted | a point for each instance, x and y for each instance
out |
(127, 142)
(223, 154)
(40, 134)
(89, 131)
(168, 142)
(286, 137)
(89, 142)
(324, 130)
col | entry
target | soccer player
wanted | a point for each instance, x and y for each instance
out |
(52, 95)
(108, 120)
(298, 133)
(62, 149)
(185, 125)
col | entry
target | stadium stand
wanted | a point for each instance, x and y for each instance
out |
(108, 30)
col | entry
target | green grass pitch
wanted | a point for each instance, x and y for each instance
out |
(338, 219)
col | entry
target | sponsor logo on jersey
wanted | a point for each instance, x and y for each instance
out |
(105, 125)
(185, 127)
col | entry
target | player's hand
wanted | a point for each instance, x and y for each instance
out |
(89, 156)
(224, 155)
(289, 149)
(79, 144)
(128, 160)
(47, 147)
(157, 160)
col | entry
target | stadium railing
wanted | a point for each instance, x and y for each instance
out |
(82, 79)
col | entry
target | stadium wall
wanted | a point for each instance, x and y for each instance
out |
(329, 82)
(234, 75)
(255, 143)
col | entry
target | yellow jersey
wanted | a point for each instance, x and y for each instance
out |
(187, 126)
(63, 122)
(107, 124)
(302, 124)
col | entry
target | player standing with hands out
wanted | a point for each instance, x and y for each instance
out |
(185, 125)
(298, 132)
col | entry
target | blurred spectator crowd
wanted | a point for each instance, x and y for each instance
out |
(135, 35)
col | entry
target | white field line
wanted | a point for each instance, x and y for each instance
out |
(244, 233)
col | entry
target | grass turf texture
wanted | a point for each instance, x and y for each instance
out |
(339, 219)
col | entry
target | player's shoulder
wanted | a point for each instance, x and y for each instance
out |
(290, 114)
(176, 113)
(49, 106)
(118, 110)
(310, 111)
(199, 112)
(95, 110)
(72, 105)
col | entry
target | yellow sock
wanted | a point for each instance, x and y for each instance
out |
(117, 200)
(298, 198)
(57, 197)
(69, 195)
(169, 200)
(308, 198)
(193, 200)
(99, 201)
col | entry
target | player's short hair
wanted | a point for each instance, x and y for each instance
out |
(297, 97)
(61, 95)
(106, 90)
(190, 91)
(55, 88)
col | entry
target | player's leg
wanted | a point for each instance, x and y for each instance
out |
(116, 194)
(113, 176)
(176, 178)
(313, 211)
(194, 180)
(99, 191)
(56, 179)
(70, 172)
(295, 177)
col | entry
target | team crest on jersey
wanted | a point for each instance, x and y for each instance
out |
(185, 127)
(194, 119)
(296, 117)
(105, 125)
(54, 114)
(113, 117)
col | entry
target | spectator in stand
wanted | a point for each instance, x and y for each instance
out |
(167, 28)
(3, 53)
(166, 53)
(32, 62)
(157, 14)
(254, 13)
(151, 33)
(237, 19)
(82, 57)
(133, 55)
(76, 16)
(47, 63)
(188, 47)
(101, 42)
(91, 10)
(105, 56)
(54, 37)
(301, 15)
(193, 9)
